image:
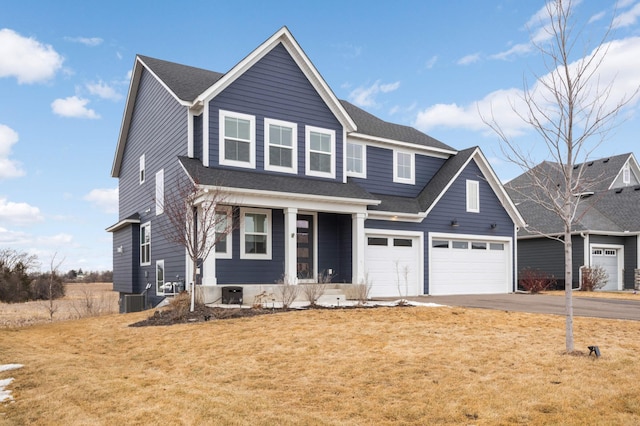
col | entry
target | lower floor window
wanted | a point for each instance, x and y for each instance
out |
(160, 287)
(256, 234)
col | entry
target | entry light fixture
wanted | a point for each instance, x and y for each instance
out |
(454, 223)
(494, 225)
(594, 350)
(120, 249)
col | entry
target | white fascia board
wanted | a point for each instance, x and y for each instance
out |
(283, 36)
(446, 188)
(633, 167)
(163, 84)
(392, 143)
(122, 224)
(272, 199)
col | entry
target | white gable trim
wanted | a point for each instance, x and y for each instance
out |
(634, 169)
(284, 37)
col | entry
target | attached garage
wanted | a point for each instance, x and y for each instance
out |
(609, 257)
(394, 264)
(460, 264)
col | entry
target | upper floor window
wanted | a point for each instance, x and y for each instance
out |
(145, 244)
(223, 225)
(255, 233)
(626, 174)
(281, 146)
(142, 169)
(321, 148)
(160, 192)
(356, 160)
(403, 167)
(237, 139)
(473, 196)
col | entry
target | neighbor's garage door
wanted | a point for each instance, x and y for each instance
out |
(393, 265)
(469, 266)
(608, 259)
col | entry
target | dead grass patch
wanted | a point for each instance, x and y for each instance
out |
(625, 295)
(337, 367)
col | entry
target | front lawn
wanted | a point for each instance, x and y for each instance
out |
(395, 365)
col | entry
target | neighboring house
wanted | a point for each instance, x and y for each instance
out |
(317, 185)
(606, 228)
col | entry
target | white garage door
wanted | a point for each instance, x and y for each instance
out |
(608, 259)
(469, 266)
(393, 265)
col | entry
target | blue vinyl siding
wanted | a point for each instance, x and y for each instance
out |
(275, 88)
(630, 261)
(197, 136)
(334, 245)
(125, 264)
(159, 131)
(380, 173)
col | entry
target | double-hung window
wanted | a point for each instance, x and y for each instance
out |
(356, 160)
(321, 149)
(237, 139)
(255, 234)
(223, 226)
(145, 244)
(404, 167)
(473, 196)
(281, 146)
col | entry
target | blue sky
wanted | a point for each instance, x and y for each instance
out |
(65, 66)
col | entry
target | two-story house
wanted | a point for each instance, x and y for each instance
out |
(606, 228)
(314, 185)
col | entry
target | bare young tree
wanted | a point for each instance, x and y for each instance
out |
(52, 307)
(196, 221)
(572, 112)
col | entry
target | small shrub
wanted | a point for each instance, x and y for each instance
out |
(315, 291)
(535, 281)
(260, 300)
(288, 291)
(594, 278)
(361, 290)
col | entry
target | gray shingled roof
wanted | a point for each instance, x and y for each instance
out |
(189, 82)
(232, 178)
(184, 81)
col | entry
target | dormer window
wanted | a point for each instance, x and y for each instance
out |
(626, 175)
(237, 139)
(404, 167)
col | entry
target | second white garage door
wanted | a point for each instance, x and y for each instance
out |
(393, 264)
(461, 265)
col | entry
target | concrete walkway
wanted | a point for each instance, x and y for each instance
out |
(543, 304)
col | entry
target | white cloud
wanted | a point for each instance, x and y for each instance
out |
(469, 59)
(8, 168)
(26, 59)
(104, 91)
(73, 106)
(618, 69)
(431, 62)
(87, 41)
(627, 18)
(104, 199)
(597, 17)
(19, 213)
(365, 96)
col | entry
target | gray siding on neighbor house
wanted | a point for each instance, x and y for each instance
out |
(380, 173)
(547, 256)
(630, 254)
(125, 264)
(453, 205)
(275, 88)
(250, 271)
(334, 245)
(159, 131)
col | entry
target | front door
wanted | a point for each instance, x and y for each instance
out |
(304, 245)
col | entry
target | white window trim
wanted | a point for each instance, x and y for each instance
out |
(396, 178)
(626, 174)
(294, 146)
(146, 225)
(476, 200)
(164, 281)
(243, 254)
(332, 134)
(142, 171)
(363, 173)
(160, 192)
(252, 140)
(229, 253)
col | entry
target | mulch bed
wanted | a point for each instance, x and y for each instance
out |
(204, 313)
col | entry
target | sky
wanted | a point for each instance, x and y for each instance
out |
(438, 65)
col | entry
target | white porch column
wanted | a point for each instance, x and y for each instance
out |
(290, 246)
(358, 244)
(209, 263)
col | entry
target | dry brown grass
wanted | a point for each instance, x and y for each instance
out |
(625, 295)
(410, 365)
(80, 300)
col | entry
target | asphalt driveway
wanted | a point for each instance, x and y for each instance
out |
(543, 304)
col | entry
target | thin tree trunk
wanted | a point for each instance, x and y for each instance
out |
(568, 289)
